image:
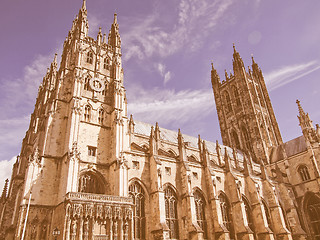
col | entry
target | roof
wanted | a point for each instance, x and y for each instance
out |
(290, 148)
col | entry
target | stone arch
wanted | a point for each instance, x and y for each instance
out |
(143, 185)
(200, 205)
(236, 95)
(226, 213)
(138, 194)
(172, 152)
(171, 211)
(311, 209)
(248, 212)
(303, 171)
(227, 100)
(193, 158)
(235, 139)
(267, 213)
(91, 181)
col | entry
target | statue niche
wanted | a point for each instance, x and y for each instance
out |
(91, 183)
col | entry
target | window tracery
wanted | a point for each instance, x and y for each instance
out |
(226, 214)
(100, 116)
(87, 113)
(200, 212)
(313, 211)
(248, 213)
(171, 213)
(89, 183)
(90, 57)
(138, 196)
(304, 173)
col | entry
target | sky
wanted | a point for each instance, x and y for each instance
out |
(168, 47)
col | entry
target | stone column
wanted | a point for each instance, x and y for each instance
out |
(111, 229)
(81, 228)
(68, 226)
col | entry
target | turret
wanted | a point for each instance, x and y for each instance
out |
(306, 125)
(114, 35)
(238, 66)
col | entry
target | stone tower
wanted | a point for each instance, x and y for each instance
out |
(80, 111)
(247, 121)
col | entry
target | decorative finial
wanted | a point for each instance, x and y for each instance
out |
(115, 18)
(84, 4)
(234, 47)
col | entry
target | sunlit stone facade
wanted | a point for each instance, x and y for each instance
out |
(88, 171)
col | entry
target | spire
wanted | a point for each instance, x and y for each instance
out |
(226, 160)
(306, 125)
(215, 79)
(4, 191)
(237, 60)
(84, 5)
(99, 36)
(114, 35)
(157, 132)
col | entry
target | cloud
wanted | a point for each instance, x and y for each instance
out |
(5, 170)
(287, 74)
(146, 37)
(170, 107)
(161, 68)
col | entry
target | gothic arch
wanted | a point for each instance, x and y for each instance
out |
(91, 181)
(171, 210)
(193, 158)
(235, 138)
(227, 100)
(138, 194)
(311, 210)
(168, 184)
(236, 95)
(135, 179)
(200, 205)
(169, 150)
(303, 171)
(268, 214)
(226, 213)
(248, 210)
(197, 189)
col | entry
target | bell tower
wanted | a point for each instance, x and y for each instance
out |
(246, 117)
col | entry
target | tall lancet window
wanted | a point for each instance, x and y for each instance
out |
(248, 213)
(228, 101)
(101, 116)
(226, 214)
(106, 63)
(267, 212)
(87, 84)
(171, 212)
(138, 196)
(200, 212)
(90, 57)
(87, 113)
(236, 96)
(304, 173)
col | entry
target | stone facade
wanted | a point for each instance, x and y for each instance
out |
(88, 171)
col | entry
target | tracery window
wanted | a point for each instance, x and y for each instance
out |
(87, 113)
(90, 183)
(89, 57)
(200, 212)
(313, 211)
(100, 116)
(267, 212)
(248, 213)
(106, 63)
(236, 96)
(246, 138)
(171, 213)
(87, 84)
(226, 214)
(235, 139)
(304, 173)
(138, 196)
(228, 102)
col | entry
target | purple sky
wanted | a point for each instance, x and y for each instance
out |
(168, 46)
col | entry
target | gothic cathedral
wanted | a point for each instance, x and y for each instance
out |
(89, 171)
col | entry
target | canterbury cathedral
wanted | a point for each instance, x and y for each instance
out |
(88, 171)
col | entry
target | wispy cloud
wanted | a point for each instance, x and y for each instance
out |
(161, 68)
(169, 106)
(5, 170)
(287, 74)
(146, 37)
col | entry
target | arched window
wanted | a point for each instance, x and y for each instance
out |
(101, 116)
(236, 96)
(86, 84)
(200, 212)
(248, 213)
(246, 138)
(285, 218)
(138, 196)
(304, 173)
(87, 113)
(235, 139)
(106, 63)
(267, 212)
(90, 183)
(228, 102)
(313, 211)
(89, 57)
(171, 213)
(226, 214)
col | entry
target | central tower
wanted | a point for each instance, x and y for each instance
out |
(247, 121)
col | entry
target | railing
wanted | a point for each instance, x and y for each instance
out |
(77, 196)
(101, 237)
